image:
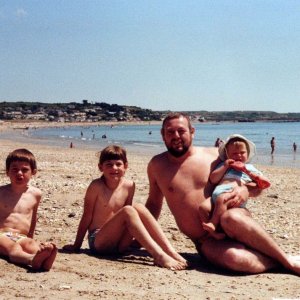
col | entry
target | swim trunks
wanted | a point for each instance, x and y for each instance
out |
(14, 236)
(91, 240)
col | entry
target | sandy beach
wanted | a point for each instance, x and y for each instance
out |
(63, 176)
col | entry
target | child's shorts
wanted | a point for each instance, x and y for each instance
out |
(220, 189)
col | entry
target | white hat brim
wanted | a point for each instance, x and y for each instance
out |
(222, 148)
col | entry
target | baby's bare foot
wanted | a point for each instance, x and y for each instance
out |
(211, 229)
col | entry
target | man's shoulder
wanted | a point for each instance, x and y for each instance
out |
(159, 157)
(206, 152)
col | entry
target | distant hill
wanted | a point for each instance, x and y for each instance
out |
(101, 111)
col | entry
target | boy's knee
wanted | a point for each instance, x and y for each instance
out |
(139, 206)
(130, 211)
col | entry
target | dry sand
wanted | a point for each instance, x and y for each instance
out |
(64, 174)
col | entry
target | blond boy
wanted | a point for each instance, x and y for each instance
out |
(112, 221)
(19, 202)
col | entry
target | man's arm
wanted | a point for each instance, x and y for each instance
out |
(155, 197)
(240, 195)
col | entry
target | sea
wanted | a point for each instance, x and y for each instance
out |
(146, 138)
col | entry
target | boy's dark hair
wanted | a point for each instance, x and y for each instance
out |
(176, 115)
(113, 152)
(21, 155)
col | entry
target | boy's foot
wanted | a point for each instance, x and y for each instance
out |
(48, 262)
(41, 256)
(211, 229)
(178, 257)
(166, 261)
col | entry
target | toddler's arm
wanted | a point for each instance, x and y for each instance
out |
(217, 174)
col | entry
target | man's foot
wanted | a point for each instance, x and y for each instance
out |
(294, 263)
(211, 229)
(166, 261)
(42, 256)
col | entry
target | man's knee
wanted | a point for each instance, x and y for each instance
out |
(232, 220)
(228, 258)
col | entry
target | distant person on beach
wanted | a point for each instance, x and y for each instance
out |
(112, 221)
(295, 147)
(218, 142)
(71, 145)
(272, 143)
(234, 170)
(181, 176)
(18, 214)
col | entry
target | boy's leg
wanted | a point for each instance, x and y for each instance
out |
(111, 233)
(156, 232)
(27, 252)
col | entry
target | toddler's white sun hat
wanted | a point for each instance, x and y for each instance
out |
(251, 147)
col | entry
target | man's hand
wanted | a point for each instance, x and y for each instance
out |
(237, 196)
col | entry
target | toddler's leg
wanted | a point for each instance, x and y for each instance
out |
(204, 210)
(219, 208)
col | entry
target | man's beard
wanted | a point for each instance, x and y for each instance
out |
(178, 153)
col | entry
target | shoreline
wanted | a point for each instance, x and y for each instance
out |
(19, 131)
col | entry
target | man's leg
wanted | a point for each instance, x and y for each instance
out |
(232, 255)
(262, 253)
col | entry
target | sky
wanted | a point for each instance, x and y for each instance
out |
(214, 55)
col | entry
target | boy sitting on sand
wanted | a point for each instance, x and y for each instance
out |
(234, 170)
(18, 213)
(112, 221)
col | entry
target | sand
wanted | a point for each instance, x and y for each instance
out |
(64, 174)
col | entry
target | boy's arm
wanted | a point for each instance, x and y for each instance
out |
(89, 201)
(130, 194)
(38, 196)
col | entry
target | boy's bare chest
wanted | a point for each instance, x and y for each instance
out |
(113, 200)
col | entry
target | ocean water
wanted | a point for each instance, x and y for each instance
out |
(147, 138)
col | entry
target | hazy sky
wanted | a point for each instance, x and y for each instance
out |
(176, 55)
